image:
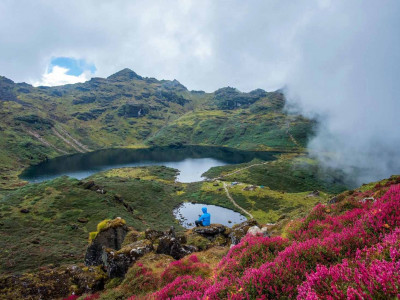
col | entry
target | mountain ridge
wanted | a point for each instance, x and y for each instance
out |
(126, 109)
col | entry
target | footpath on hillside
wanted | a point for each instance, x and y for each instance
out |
(234, 202)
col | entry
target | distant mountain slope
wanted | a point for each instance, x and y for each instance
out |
(128, 110)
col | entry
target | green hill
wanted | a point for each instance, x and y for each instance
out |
(127, 110)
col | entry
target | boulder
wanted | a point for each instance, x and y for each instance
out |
(171, 245)
(255, 230)
(118, 262)
(211, 231)
(153, 235)
(87, 280)
(240, 230)
(111, 236)
(131, 237)
(333, 200)
(314, 194)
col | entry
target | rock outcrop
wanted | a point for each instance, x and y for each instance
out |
(118, 262)
(110, 235)
(240, 230)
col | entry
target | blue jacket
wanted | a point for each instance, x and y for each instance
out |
(205, 217)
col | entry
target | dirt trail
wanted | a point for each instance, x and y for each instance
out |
(239, 170)
(291, 136)
(234, 202)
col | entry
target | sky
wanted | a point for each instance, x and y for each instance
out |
(339, 61)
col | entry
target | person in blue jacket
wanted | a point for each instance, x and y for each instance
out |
(204, 219)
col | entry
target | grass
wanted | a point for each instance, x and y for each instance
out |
(290, 173)
(50, 231)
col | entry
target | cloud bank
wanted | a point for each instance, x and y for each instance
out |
(59, 76)
(339, 59)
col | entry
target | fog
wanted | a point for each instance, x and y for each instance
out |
(348, 74)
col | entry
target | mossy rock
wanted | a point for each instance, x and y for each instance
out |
(131, 237)
(198, 241)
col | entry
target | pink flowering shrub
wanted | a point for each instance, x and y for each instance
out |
(187, 266)
(72, 297)
(252, 252)
(347, 250)
(353, 280)
(184, 287)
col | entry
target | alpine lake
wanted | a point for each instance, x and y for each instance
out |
(191, 161)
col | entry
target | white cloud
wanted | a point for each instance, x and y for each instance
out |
(59, 76)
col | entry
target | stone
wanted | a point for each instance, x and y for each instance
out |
(367, 199)
(314, 194)
(83, 220)
(131, 237)
(264, 231)
(118, 262)
(110, 237)
(87, 280)
(333, 200)
(254, 230)
(172, 246)
(240, 230)
(152, 234)
(210, 231)
(88, 185)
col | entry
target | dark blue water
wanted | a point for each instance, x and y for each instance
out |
(191, 161)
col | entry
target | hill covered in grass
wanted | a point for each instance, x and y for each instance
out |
(48, 222)
(346, 247)
(128, 110)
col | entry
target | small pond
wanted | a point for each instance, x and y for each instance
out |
(187, 213)
(191, 161)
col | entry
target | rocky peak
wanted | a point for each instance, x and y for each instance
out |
(124, 75)
(173, 85)
(7, 89)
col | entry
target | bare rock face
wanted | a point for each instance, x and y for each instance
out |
(171, 245)
(216, 234)
(118, 262)
(111, 236)
(152, 234)
(210, 231)
(240, 230)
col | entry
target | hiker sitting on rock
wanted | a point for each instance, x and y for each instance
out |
(204, 219)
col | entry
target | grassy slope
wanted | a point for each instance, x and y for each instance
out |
(51, 233)
(289, 173)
